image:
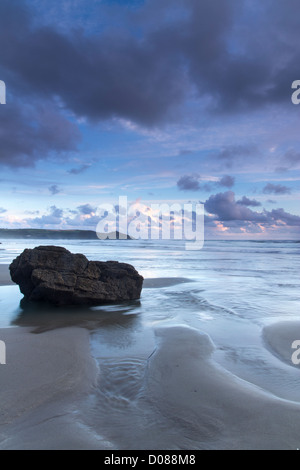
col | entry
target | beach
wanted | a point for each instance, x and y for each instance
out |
(47, 377)
(44, 377)
(144, 376)
(5, 279)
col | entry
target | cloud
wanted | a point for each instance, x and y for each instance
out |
(281, 169)
(188, 183)
(79, 170)
(54, 189)
(227, 181)
(226, 209)
(32, 212)
(229, 155)
(162, 50)
(279, 215)
(56, 212)
(224, 206)
(84, 216)
(224, 215)
(292, 158)
(277, 189)
(245, 201)
(232, 151)
(85, 72)
(29, 134)
(54, 217)
(2, 211)
(87, 209)
(196, 183)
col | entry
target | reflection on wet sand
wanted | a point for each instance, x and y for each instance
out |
(45, 317)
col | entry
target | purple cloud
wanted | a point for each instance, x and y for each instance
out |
(227, 181)
(54, 189)
(292, 158)
(189, 183)
(86, 209)
(281, 215)
(277, 189)
(29, 134)
(245, 201)
(224, 206)
(195, 183)
(79, 170)
(227, 209)
(55, 217)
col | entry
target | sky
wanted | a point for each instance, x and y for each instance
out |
(161, 101)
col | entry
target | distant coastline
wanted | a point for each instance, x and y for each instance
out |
(37, 234)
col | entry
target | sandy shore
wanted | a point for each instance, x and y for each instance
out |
(43, 382)
(5, 279)
(279, 338)
(48, 376)
(154, 283)
(223, 411)
(43, 379)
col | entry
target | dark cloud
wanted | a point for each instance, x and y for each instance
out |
(29, 134)
(54, 189)
(227, 181)
(86, 209)
(99, 76)
(188, 183)
(245, 201)
(292, 158)
(54, 217)
(221, 207)
(227, 209)
(271, 201)
(156, 57)
(280, 215)
(79, 170)
(276, 189)
(56, 212)
(230, 155)
(196, 183)
(144, 68)
(232, 151)
(224, 206)
(281, 169)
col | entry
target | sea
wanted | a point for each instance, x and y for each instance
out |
(229, 290)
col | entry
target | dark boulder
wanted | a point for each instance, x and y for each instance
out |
(53, 274)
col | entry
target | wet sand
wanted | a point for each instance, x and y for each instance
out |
(43, 379)
(5, 279)
(223, 411)
(279, 338)
(48, 377)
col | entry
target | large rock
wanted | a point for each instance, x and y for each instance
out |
(53, 274)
